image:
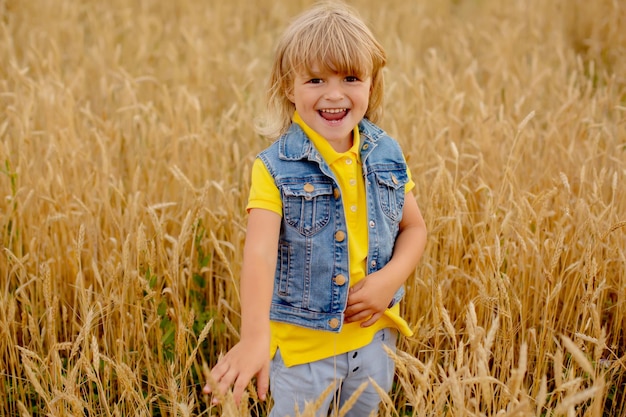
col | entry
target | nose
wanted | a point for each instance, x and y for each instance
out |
(334, 90)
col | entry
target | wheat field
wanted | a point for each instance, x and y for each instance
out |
(127, 139)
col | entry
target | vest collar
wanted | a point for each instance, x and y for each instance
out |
(295, 145)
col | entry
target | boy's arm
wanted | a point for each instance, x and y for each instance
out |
(250, 356)
(369, 298)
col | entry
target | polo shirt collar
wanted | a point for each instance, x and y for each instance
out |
(323, 146)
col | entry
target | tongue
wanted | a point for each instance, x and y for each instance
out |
(333, 116)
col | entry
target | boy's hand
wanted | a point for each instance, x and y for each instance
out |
(237, 368)
(368, 299)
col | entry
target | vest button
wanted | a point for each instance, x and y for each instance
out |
(336, 193)
(340, 236)
(340, 279)
(372, 223)
(333, 323)
(308, 187)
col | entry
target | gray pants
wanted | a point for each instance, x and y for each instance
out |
(301, 384)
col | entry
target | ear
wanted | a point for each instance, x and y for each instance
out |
(290, 96)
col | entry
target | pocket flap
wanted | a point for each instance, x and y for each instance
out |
(307, 189)
(392, 179)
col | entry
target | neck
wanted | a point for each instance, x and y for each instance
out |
(342, 145)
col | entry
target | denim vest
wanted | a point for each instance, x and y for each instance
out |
(312, 270)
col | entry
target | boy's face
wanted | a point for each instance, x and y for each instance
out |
(331, 103)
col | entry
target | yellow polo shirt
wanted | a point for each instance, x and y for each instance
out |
(297, 344)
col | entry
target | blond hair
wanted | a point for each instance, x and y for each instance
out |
(332, 36)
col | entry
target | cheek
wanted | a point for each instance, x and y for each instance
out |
(366, 98)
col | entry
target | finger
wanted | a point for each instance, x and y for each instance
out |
(219, 390)
(358, 316)
(219, 370)
(356, 303)
(371, 320)
(351, 311)
(228, 379)
(262, 382)
(206, 389)
(214, 377)
(239, 387)
(356, 287)
(354, 300)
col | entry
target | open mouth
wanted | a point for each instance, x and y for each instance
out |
(333, 115)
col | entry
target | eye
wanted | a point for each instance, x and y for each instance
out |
(352, 78)
(315, 81)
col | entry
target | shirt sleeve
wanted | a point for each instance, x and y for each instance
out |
(410, 183)
(263, 191)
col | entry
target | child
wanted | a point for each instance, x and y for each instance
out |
(333, 229)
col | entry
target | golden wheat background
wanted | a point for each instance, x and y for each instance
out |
(126, 143)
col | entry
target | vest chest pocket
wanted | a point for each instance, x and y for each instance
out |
(390, 188)
(307, 205)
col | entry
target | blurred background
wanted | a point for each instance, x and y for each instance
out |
(126, 144)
